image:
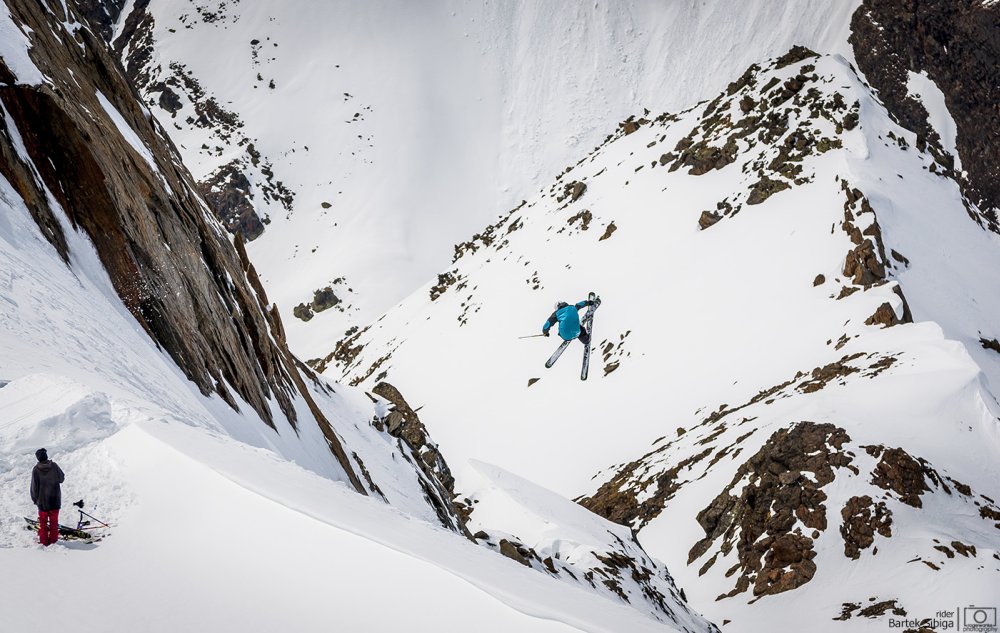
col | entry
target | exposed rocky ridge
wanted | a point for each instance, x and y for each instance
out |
(171, 265)
(101, 15)
(555, 537)
(229, 194)
(760, 519)
(765, 523)
(403, 423)
(232, 189)
(771, 122)
(957, 43)
(626, 573)
(657, 493)
(862, 519)
(638, 491)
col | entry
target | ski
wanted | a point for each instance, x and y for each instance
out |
(64, 531)
(556, 354)
(587, 323)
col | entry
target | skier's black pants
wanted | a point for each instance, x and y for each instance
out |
(584, 336)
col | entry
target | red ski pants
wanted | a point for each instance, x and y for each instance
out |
(48, 527)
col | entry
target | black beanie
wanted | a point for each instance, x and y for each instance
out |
(42, 455)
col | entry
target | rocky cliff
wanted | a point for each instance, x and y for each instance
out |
(77, 143)
(956, 43)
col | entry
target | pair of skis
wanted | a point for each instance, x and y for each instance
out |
(587, 323)
(64, 531)
(78, 532)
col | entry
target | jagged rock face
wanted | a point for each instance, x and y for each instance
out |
(132, 209)
(957, 43)
(402, 422)
(638, 491)
(759, 522)
(901, 473)
(229, 193)
(93, 151)
(101, 15)
(862, 519)
(764, 525)
(228, 189)
(817, 129)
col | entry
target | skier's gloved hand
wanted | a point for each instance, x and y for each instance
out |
(545, 332)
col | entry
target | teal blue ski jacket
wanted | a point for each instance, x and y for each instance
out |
(568, 319)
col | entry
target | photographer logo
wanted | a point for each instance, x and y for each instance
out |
(980, 619)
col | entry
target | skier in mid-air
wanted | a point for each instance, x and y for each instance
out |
(568, 318)
(571, 328)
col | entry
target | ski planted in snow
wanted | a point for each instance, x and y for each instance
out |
(556, 354)
(588, 326)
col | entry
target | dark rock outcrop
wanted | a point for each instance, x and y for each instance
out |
(884, 315)
(862, 266)
(324, 299)
(573, 191)
(101, 15)
(514, 551)
(445, 281)
(174, 269)
(760, 519)
(303, 312)
(957, 43)
(862, 519)
(901, 473)
(608, 232)
(765, 188)
(707, 219)
(877, 610)
(438, 484)
(229, 194)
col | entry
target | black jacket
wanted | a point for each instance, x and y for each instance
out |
(45, 480)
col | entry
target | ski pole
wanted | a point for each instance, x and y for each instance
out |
(532, 336)
(90, 516)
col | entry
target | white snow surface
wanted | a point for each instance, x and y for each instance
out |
(692, 320)
(566, 539)
(923, 88)
(128, 133)
(419, 123)
(218, 522)
(14, 47)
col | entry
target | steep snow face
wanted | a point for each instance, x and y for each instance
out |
(553, 535)
(137, 344)
(794, 365)
(369, 137)
(78, 367)
(192, 489)
(923, 88)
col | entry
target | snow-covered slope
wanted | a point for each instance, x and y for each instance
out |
(242, 492)
(396, 129)
(791, 435)
(238, 525)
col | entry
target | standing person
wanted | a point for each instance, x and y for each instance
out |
(568, 318)
(46, 494)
